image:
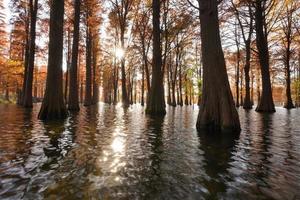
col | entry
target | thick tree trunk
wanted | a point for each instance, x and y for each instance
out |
(156, 101)
(53, 106)
(217, 109)
(266, 103)
(88, 71)
(73, 103)
(27, 103)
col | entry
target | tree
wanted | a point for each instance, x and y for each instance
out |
(53, 106)
(73, 103)
(33, 7)
(156, 100)
(287, 40)
(266, 103)
(217, 110)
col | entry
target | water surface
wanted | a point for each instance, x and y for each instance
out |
(106, 152)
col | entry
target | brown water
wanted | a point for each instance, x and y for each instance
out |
(106, 152)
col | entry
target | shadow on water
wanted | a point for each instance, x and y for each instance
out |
(155, 184)
(218, 150)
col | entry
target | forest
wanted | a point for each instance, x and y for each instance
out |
(221, 73)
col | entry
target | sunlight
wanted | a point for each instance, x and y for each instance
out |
(120, 53)
(118, 144)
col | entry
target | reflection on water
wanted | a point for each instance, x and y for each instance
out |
(106, 152)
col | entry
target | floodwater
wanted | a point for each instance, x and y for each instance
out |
(106, 152)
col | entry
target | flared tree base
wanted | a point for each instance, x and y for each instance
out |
(74, 108)
(289, 105)
(48, 113)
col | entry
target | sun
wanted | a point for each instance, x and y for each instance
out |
(119, 53)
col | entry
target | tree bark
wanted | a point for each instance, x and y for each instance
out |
(73, 103)
(266, 103)
(217, 110)
(27, 102)
(53, 106)
(156, 101)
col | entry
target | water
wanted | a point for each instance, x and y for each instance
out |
(107, 152)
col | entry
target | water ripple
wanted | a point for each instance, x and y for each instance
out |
(107, 152)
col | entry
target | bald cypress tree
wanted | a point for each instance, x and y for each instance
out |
(73, 103)
(156, 102)
(217, 109)
(33, 8)
(53, 106)
(266, 103)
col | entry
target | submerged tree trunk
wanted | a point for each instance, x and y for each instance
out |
(217, 109)
(156, 101)
(266, 103)
(73, 103)
(27, 102)
(53, 106)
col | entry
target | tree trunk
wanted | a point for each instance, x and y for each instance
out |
(68, 66)
(53, 106)
(266, 103)
(169, 101)
(27, 103)
(116, 81)
(217, 110)
(143, 85)
(125, 99)
(7, 92)
(289, 102)
(180, 85)
(88, 71)
(247, 101)
(73, 103)
(26, 58)
(95, 78)
(156, 101)
(237, 75)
